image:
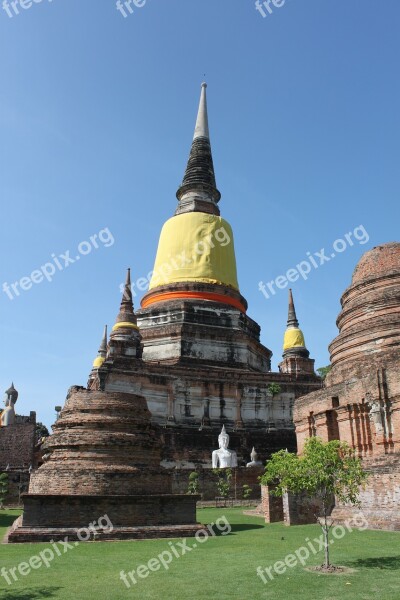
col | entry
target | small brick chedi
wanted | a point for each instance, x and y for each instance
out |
(170, 376)
(360, 401)
(104, 459)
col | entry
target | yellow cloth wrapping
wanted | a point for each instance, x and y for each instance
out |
(294, 338)
(195, 247)
(98, 361)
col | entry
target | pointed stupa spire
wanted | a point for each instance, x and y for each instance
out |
(201, 129)
(125, 338)
(102, 352)
(126, 317)
(198, 191)
(293, 342)
(292, 318)
(127, 299)
(103, 345)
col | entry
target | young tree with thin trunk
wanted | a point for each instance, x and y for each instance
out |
(3, 488)
(324, 471)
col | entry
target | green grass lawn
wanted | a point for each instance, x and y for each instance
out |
(223, 567)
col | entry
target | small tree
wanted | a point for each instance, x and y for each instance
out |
(246, 491)
(274, 389)
(224, 477)
(3, 488)
(193, 487)
(324, 471)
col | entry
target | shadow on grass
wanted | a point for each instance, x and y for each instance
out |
(245, 527)
(389, 563)
(31, 594)
(6, 519)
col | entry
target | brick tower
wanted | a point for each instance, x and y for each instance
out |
(360, 401)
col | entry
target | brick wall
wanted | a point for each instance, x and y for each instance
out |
(17, 445)
(207, 482)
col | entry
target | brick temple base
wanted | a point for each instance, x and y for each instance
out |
(49, 518)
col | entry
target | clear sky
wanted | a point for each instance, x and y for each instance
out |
(97, 114)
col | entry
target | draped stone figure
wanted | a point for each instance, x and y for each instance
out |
(224, 458)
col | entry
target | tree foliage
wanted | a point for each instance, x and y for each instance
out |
(194, 484)
(41, 431)
(246, 491)
(274, 389)
(3, 488)
(224, 477)
(323, 471)
(323, 371)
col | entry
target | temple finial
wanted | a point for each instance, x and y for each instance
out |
(198, 191)
(125, 338)
(292, 318)
(102, 352)
(201, 129)
(103, 345)
(127, 300)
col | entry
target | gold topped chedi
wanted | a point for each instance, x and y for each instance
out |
(196, 245)
(293, 340)
(295, 354)
(193, 312)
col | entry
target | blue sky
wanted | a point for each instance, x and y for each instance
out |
(97, 113)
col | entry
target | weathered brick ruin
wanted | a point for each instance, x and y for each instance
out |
(18, 452)
(104, 458)
(360, 400)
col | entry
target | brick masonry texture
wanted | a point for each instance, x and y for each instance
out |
(17, 443)
(207, 482)
(17, 452)
(360, 400)
(103, 458)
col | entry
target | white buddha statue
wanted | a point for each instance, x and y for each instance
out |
(254, 459)
(8, 415)
(224, 458)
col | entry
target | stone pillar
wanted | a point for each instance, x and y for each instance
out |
(272, 506)
(321, 424)
(300, 509)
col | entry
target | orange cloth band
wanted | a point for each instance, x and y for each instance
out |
(164, 297)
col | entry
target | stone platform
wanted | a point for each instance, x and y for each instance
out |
(50, 517)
